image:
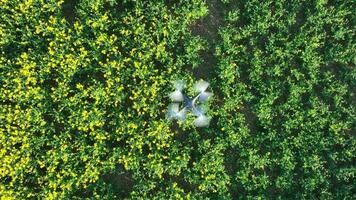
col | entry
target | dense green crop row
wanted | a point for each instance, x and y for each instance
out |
(287, 75)
(84, 90)
(82, 102)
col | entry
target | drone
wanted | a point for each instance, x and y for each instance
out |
(189, 104)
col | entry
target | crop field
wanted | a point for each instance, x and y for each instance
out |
(177, 99)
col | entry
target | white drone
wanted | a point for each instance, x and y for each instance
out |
(189, 104)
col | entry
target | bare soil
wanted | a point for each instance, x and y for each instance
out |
(207, 28)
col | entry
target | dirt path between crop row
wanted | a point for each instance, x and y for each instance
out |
(208, 29)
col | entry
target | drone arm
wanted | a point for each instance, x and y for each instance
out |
(195, 99)
(195, 110)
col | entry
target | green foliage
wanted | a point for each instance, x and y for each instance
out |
(287, 72)
(84, 99)
(84, 85)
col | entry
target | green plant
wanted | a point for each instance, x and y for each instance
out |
(79, 99)
(286, 73)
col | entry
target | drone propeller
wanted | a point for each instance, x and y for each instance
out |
(202, 121)
(175, 113)
(177, 95)
(201, 86)
(204, 96)
(181, 115)
(173, 109)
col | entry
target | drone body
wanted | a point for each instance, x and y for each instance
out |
(189, 104)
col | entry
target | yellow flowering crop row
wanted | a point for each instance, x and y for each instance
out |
(82, 99)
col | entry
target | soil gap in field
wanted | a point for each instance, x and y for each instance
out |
(208, 29)
(121, 181)
(68, 10)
